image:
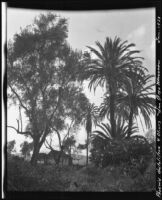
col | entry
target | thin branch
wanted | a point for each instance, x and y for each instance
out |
(13, 128)
(18, 98)
(55, 108)
(46, 132)
(20, 117)
(68, 131)
(58, 134)
(46, 145)
(44, 135)
(20, 132)
(49, 145)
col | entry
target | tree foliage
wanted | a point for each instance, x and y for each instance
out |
(113, 60)
(129, 94)
(40, 66)
(26, 148)
(10, 146)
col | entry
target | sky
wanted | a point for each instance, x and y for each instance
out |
(85, 28)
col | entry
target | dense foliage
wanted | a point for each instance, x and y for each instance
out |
(42, 78)
(115, 152)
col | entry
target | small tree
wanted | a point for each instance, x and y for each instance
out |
(10, 146)
(68, 144)
(26, 148)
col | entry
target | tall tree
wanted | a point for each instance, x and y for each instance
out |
(137, 99)
(36, 58)
(90, 117)
(108, 69)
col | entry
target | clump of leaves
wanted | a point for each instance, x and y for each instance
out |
(107, 152)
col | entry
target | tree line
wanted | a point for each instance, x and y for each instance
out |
(45, 78)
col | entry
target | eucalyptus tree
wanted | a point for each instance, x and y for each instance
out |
(36, 58)
(75, 103)
(108, 69)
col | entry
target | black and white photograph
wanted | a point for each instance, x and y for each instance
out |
(81, 100)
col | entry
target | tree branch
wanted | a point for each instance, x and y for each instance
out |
(59, 97)
(18, 98)
(44, 136)
(47, 124)
(20, 117)
(49, 145)
(68, 131)
(20, 132)
(58, 134)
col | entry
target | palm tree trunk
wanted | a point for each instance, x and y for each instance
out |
(112, 110)
(130, 123)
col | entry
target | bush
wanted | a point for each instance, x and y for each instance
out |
(117, 152)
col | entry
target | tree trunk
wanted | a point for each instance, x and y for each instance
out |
(60, 156)
(70, 158)
(87, 148)
(112, 111)
(35, 152)
(130, 123)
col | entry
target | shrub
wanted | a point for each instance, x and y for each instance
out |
(116, 152)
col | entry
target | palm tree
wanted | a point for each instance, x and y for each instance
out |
(133, 98)
(122, 130)
(106, 148)
(137, 99)
(112, 61)
(90, 117)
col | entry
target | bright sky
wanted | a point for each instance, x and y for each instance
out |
(135, 25)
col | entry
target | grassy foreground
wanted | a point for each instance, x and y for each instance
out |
(21, 176)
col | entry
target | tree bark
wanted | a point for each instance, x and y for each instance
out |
(87, 148)
(35, 152)
(70, 157)
(130, 123)
(112, 111)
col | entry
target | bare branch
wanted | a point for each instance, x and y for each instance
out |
(58, 101)
(49, 145)
(20, 132)
(18, 98)
(44, 135)
(46, 145)
(58, 134)
(67, 135)
(20, 117)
